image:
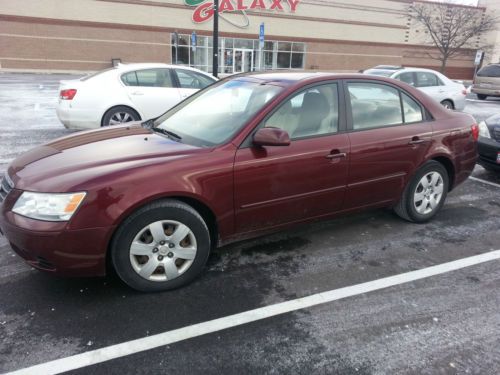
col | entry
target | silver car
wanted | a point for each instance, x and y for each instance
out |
(449, 93)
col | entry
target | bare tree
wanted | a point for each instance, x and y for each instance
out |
(451, 28)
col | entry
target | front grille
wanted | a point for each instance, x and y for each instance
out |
(5, 187)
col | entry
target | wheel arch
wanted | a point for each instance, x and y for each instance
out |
(196, 203)
(120, 105)
(450, 169)
(449, 100)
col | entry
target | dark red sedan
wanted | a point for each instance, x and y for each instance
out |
(245, 156)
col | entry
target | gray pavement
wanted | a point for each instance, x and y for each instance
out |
(446, 324)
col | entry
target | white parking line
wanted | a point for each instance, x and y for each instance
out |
(484, 181)
(147, 343)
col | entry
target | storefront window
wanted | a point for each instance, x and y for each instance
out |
(236, 55)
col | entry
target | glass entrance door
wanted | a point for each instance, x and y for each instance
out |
(243, 60)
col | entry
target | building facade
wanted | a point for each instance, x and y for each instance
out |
(328, 35)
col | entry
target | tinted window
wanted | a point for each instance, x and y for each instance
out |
(412, 110)
(311, 112)
(374, 105)
(407, 77)
(489, 71)
(148, 78)
(426, 79)
(192, 80)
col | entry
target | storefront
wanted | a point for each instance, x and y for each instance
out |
(341, 35)
(237, 55)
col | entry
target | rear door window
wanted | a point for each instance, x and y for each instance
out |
(148, 78)
(375, 105)
(427, 79)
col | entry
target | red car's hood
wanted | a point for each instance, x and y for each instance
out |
(69, 161)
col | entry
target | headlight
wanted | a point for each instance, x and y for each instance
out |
(48, 206)
(483, 130)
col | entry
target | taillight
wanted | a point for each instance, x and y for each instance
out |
(67, 94)
(464, 92)
(475, 131)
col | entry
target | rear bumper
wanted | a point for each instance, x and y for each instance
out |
(488, 150)
(74, 118)
(51, 247)
(485, 91)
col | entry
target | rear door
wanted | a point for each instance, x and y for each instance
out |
(389, 136)
(152, 91)
(283, 184)
(430, 83)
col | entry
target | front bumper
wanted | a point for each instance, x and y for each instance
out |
(488, 150)
(52, 247)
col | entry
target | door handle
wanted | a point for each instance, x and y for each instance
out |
(416, 141)
(337, 155)
(137, 93)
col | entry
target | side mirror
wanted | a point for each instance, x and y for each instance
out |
(271, 137)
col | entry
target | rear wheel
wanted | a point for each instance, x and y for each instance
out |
(425, 194)
(119, 115)
(482, 96)
(448, 104)
(161, 246)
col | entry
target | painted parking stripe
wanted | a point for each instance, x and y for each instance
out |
(147, 343)
(484, 181)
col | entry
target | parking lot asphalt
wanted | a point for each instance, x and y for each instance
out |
(444, 324)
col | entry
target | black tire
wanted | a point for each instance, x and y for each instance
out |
(482, 96)
(406, 206)
(168, 209)
(120, 111)
(448, 104)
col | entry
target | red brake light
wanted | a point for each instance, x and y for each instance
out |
(67, 94)
(464, 92)
(475, 131)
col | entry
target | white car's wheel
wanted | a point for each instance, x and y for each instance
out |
(119, 115)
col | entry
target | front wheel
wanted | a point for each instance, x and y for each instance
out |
(425, 194)
(161, 246)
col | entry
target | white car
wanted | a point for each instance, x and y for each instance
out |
(128, 92)
(439, 87)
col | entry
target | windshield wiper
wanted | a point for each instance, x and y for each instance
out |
(148, 124)
(168, 133)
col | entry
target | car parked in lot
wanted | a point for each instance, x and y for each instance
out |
(487, 82)
(128, 92)
(489, 143)
(246, 156)
(449, 93)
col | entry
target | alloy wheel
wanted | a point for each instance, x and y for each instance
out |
(163, 250)
(428, 193)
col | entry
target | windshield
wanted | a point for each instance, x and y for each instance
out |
(214, 115)
(379, 72)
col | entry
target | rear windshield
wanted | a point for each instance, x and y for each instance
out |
(379, 72)
(489, 71)
(95, 74)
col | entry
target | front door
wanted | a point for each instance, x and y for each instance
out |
(283, 184)
(243, 60)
